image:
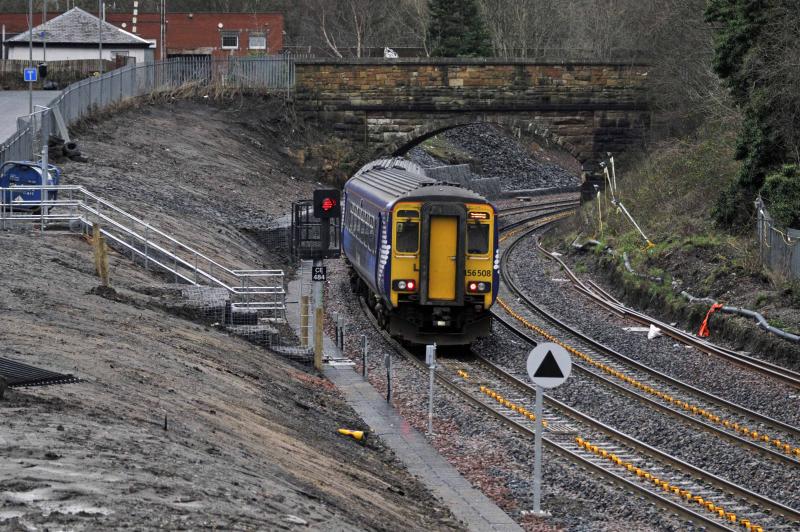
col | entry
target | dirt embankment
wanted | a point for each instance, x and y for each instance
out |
(178, 425)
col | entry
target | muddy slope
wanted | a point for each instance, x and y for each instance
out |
(177, 425)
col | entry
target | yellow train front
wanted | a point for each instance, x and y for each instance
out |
(423, 252)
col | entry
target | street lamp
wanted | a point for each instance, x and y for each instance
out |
(30, 54)
(100, 32)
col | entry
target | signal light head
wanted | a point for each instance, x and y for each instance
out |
(328, 204)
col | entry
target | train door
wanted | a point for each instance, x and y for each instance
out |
(442, 258)
(442, 254)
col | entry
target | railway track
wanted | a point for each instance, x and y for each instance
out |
(604, 299)
(657, 472)
(704, 500)
(741, 426)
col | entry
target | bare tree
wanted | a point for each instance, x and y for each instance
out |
(413, 19)
(523, 28)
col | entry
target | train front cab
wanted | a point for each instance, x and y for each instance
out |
(442, 274)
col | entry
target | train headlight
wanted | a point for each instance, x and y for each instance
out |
(405, 285)
(478, 287)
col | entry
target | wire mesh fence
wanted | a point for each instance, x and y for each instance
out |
(81, 99)
(779, 249)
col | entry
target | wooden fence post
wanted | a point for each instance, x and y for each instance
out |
(100, 254)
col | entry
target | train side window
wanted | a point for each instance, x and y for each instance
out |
(407, 237)
(477, 238)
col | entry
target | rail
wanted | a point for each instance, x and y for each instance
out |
(259, 291)
(649, 385)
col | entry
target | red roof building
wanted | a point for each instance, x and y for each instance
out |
(211, 34)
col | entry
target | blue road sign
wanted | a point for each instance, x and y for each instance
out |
(30, 74)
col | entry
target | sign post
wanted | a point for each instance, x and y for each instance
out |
(364, 346)
(387, 360)
(430, 360)
(548, 366)
(318, 311)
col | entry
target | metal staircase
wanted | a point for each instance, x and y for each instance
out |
(254, 295)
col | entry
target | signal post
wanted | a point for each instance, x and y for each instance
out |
(326, 207)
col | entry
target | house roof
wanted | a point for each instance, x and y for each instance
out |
(77, 27)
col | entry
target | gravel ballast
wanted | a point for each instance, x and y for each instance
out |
(502, 157)
(489, 455)
(546, 284)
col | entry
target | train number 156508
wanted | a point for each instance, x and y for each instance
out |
(479, 273)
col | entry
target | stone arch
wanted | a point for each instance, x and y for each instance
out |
(430, 127)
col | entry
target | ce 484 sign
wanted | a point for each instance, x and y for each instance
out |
(319, 273)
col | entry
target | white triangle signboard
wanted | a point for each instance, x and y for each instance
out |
(549, 365)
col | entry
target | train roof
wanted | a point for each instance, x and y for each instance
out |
(387, 181)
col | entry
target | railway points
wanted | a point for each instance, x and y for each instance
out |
(605, 300)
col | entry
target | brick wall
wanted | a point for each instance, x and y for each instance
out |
(186, 32)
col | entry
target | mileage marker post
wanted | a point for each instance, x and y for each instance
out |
(548, 366)
(430, 360)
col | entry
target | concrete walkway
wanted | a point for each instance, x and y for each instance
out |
(412, 448)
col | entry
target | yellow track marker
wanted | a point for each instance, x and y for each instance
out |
(698, 411)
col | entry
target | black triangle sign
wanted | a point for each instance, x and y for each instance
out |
(549, 369)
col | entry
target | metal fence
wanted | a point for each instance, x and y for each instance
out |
(81, 99)
(780, 250)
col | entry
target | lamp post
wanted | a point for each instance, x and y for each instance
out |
(30, 54)
(44, 32)
(100, 32)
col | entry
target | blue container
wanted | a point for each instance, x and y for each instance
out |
(25, 174)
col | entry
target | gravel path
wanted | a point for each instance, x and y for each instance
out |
(502, 157)
(544, 282)
(493, 458)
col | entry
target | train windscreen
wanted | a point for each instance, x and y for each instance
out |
(477, 238)
(407, 237)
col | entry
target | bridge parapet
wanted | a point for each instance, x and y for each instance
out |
(589, 108)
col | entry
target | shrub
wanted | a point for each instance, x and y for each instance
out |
(781, 194)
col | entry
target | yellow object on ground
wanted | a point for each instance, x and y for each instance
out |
(357, 434)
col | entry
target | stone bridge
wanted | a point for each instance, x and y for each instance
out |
(392, 105)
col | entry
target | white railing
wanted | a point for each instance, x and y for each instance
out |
(258, 291)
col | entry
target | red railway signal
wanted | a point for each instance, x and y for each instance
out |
(327, 203)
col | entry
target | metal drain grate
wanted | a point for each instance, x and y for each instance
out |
(18, 374)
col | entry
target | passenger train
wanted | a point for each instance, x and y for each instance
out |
(424, 252)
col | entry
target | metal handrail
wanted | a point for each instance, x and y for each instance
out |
(94, 205)
(111, 206)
